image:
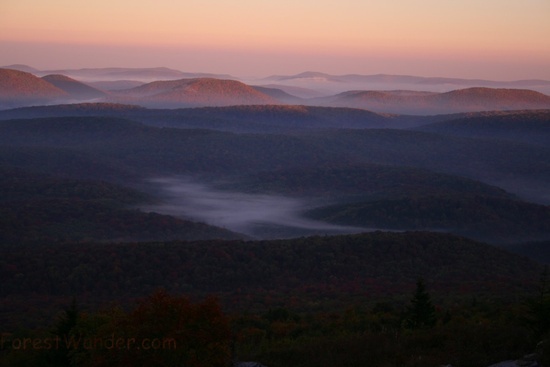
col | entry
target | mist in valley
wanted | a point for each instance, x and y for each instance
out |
(255, 215)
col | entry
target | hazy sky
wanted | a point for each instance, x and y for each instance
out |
(497, 39)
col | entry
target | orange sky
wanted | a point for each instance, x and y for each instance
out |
(504, 39)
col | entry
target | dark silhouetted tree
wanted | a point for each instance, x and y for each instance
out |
(421, 312)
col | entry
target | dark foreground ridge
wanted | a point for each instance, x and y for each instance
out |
(336, 268)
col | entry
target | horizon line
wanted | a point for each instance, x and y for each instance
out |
(11, 66)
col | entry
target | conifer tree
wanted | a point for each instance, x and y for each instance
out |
(421, 312)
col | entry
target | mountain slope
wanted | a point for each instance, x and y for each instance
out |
(336, 267)
(497, 220)
(19, 88)
(525, 126)
(310, 164)
(194, 92)
(303, 93)
(255, 118)
(356, 182)
(279, 95)
(35, 208)
(341, 83)
(281, 118)
(479, 99)
(410, 79)
(463, 100)
(74, 88)
(75, 220)
(510, 165)
(74, 109)
(404, 198)
(161, 150)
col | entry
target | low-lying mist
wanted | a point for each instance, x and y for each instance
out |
(256, 215)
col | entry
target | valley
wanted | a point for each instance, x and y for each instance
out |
(117, 182)
(298, 168)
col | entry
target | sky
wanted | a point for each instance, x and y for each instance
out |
(490, 39)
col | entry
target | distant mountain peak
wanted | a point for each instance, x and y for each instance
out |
(486, 91)
(472, 99)
(194, 92)
(501, 97)
(20, 88)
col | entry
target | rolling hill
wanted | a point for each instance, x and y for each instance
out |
(429, 103)
(19, 88)
(335, 269)
(513, 166)
(304, 93)
(483, 99)
(387, 82)
(496, 220)
(404, 198)
(74, 109)
(280, 95)
(37, 208)
(526, 126)
(107, 202)
(193, 92)
(276, 118)
(310, 165)
(409, 79)
(76, 90)
(255, 118)
(156, 151)
(357, 182)
(208, 91)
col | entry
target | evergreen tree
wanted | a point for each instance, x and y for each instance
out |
(421, 312)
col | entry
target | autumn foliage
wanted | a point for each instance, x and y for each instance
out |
(163, 330)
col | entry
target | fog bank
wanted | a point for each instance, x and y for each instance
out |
(256, 215)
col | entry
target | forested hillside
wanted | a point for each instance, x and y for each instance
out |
(404, 177)
(108, 203)
(38, 208)
(338, 269)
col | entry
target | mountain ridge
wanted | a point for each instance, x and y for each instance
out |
(407, 78)
(244, 118)
(146, 74)
(351, 77)
(210, 91)
(531, 127)
(475, 99)
(19, 88)
(194, 92)
(36, 206)
(75, 88)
